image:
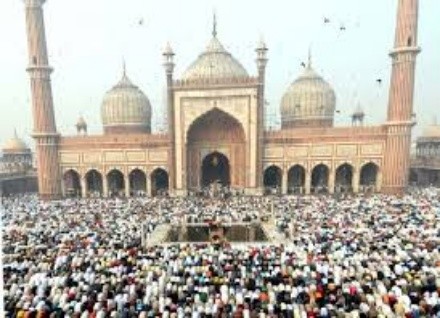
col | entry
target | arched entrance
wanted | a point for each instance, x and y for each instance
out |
(216, 132)
(215, 169)
(72, 184)
(296, 179)
(116, 184)
(344, 178)
(159, 182)
(94, 183)
(368, 178)
(138, 182)
(320, 176)
(272, 180)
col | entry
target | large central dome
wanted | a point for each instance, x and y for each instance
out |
(215, 63)
(126, 109)
(309, 101)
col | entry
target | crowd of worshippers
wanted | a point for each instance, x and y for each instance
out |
(375, 256)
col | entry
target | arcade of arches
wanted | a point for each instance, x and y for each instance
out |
(344, 179)
(115, 183)
(216, 151)
(216, 167)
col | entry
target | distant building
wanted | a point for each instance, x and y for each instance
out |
(17, 173)
(216, 129)
(425, 161)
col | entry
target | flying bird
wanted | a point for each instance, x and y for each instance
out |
(379, 81)
(342, 27)
(326, 20)
(141, 21)
(303, 64)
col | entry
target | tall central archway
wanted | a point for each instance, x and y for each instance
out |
(215, 168)
(216, 132)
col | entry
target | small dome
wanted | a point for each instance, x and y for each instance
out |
(309, 101)
(15, 145)
(126, 109)
(215, 62)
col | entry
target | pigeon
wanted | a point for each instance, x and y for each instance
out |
(342, 27)
(379, 81)
(141, 21)
(303, 64)
(326, 20)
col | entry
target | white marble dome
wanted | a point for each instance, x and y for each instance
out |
(126, 109)
(431, 131)
(15, 145)
(309, 101)
(215, 63)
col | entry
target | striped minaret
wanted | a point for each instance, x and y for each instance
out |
(45, 132)
(400, 108)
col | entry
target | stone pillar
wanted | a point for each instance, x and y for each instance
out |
(331, 181)
(308, 182)
(63, 187)
(284, 184)
(127, 186)
(105, 186)
(400, 119)
(356, 179)
(149, 190)
(84, 187)
(45, 131)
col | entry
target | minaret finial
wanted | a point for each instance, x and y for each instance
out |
(309, 62)
(214, 25)
(124, 68)
(15, 133)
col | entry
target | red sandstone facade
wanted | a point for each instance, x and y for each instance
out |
(216, 134)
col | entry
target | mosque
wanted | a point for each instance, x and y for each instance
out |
(216, 129)
(425, 161)
(17, 172)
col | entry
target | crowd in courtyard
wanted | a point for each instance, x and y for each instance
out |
(362, 256)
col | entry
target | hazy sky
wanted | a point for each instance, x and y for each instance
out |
(88, 39)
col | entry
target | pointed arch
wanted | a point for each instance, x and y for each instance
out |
(159, 182)
(296, 179)
(320, 178)
(215, 168)
(72, 183)
(138, 182)
(369, 176)
(216, 130)
(215, 125)
(94, 183)
(272, 179)
(116, 183)
(344, 178)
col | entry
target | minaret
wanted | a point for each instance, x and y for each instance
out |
(45, 132)
(400, 108)
(168, 56)
(261, 60)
